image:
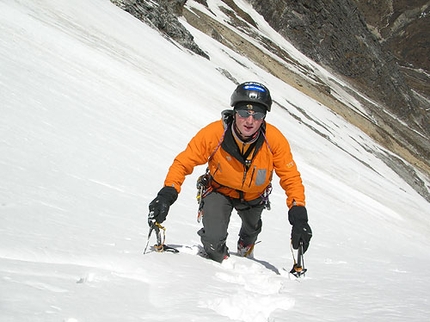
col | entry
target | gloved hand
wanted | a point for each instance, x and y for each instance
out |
(298, 218)
(159, 207)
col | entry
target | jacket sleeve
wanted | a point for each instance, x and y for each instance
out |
(196, 153)
(285, 168)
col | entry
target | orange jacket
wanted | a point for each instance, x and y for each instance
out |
(229, 173)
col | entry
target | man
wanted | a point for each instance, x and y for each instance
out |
(242, 150)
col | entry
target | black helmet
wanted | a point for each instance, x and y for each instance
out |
(251, 92)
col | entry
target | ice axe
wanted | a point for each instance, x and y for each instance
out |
(298, 269)
(161, 237)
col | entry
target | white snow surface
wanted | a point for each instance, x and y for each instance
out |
(94, 107)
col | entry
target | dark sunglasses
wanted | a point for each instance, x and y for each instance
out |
(247, 113)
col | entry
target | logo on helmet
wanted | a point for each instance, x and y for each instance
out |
(254, 87)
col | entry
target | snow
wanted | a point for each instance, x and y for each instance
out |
(95, 105)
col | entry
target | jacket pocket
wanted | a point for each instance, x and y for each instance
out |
(261, 177)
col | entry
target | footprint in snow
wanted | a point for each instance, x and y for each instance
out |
(258, 295)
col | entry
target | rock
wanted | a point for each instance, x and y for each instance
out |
(162, 16)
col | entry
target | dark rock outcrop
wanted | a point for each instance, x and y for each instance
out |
(162, 15)
(402, 28)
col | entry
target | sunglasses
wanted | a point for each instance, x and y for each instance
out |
(247, 113)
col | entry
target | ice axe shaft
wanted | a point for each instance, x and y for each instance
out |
(151, 228)
(298, 269)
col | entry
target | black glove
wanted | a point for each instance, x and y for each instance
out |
(159, 207)
(298, 217)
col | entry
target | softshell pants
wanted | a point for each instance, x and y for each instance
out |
(217, 210)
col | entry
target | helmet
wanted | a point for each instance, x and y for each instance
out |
(251, 92)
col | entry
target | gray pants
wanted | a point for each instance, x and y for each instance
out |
(217, 210)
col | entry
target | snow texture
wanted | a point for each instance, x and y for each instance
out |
(94, 107)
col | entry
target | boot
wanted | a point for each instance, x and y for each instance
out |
(245, 251)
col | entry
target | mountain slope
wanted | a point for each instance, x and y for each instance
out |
(96, 104)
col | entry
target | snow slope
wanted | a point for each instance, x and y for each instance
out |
(94, 107)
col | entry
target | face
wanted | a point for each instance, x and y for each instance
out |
(248, 125)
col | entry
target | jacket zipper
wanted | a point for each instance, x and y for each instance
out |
(245, 172)
(252, 176)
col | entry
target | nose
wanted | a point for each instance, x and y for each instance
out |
(250, 118)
